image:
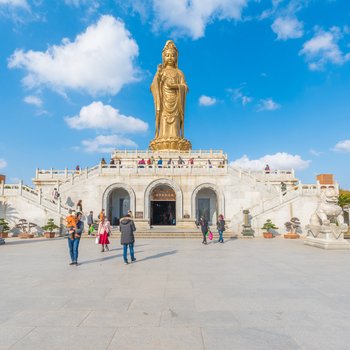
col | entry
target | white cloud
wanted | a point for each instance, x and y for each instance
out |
(287, 28)
(238, 95)
(33, 100)
(323, 48)
(207, 101)
(105, 117)
(280, 160)
(342, 146)
(3, 163)
(15, 3)
(106, 144)
(268, 105)
(99, 61)
(315, 153)
(190, 18)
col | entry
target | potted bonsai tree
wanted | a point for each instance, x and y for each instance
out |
(292, 227)
(268, 226)
(4, 228)
(49, 228)
(25, 228)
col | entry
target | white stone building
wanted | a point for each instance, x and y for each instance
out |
(171, 196)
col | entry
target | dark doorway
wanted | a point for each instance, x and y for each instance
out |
(163, 213)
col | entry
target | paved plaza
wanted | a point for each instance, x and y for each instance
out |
(244, 294)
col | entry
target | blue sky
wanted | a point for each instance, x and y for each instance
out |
(269, 81)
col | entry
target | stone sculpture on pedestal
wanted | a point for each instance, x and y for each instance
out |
(327, 227)
(169, 91)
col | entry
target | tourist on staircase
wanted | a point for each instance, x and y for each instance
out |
(103, 232)
(127, 238)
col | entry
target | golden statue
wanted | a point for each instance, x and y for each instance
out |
(169, 91)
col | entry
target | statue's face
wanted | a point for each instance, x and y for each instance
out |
(170, 58)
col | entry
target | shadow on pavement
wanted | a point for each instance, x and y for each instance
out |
(159, 255)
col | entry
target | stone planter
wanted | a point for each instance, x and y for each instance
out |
(49, 234)
(267, 235)
(291, 235)
(4, 234)
(26, 235)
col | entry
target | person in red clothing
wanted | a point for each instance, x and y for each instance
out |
(104, 231)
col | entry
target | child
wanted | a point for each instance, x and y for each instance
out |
(71, 221)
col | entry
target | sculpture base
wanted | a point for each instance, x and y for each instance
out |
(340, 244)
(170, 143)
(327, 237)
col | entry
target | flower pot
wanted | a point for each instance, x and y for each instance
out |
(26, 235)
(4, 234)
(291, 235)
(49, 234)
(267, 235)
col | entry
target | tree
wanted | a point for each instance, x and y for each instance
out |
(344, 198)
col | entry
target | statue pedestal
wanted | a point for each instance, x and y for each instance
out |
(328, 237)
(170, 143)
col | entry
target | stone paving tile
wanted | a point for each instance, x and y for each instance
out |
(67, 338)
(121, 319)
(153, 338)
(247, 339)
(97, 303)
(10, 335)
(186, 318)
(48, 318)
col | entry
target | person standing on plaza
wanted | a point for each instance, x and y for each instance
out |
(74, 238)
(90, 222)
(103, 232)
(221, 227)
(203, 223)
(127, 238)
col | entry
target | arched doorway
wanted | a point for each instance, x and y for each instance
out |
(118, 205)
(163, 206)
(207, 205)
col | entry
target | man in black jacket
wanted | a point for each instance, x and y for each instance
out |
(127, 238)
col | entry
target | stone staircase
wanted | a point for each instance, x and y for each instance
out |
(172, 232)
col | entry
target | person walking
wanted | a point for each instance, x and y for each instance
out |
(221, 228)
(74, 239)
(127, 238)
(90, 222)
(203, 223)
(104, 231)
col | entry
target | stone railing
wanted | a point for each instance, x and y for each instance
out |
(115, 169)
(284, 197)
(34, 196)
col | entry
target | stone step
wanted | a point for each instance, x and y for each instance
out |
(196, 235)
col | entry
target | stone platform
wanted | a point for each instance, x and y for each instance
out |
(180, 294)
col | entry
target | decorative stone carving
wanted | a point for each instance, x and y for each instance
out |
(327, 227)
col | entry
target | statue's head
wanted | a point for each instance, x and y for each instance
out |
(330, 195)
(169, 54)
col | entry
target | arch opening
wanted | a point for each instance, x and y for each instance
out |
(163, 206)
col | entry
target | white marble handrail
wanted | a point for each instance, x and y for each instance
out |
(35, 196)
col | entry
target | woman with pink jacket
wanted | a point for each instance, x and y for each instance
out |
(104, 231)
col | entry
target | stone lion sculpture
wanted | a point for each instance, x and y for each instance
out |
(328, 217)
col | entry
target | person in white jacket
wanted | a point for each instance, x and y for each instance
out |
(104, 231)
